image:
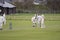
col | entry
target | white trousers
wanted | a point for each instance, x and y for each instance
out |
(1, 25)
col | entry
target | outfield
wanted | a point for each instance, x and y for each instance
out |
(22, 28)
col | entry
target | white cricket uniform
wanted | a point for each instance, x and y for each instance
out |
(2, 19)
(33, 20)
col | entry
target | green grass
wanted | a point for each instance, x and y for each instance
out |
(22, 28)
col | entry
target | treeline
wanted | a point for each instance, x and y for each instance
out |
(53, 4)
(28, 4)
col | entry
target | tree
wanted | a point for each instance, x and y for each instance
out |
(26, 4)
(53, 4)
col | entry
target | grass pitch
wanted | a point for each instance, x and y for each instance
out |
(22, 28)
